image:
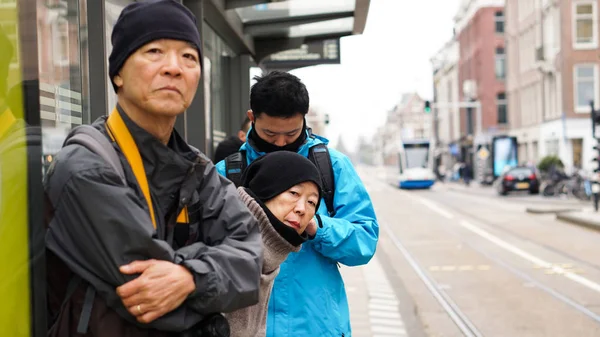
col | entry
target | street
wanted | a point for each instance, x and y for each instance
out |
(462, 261)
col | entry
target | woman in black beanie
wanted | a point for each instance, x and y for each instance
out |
(283, 191)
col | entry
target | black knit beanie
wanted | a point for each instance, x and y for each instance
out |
(142, 22)
(276, 172)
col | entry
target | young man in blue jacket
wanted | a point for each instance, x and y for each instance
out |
(308, 297)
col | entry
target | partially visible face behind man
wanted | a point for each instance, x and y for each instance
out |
(278, 131)
(242, 133)
(161, 77)
(296, 206)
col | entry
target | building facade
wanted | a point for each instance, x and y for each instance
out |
(411, 118)
(553, 74)
(479, 30)
(446, 113)
(407, 120)
(317, 121)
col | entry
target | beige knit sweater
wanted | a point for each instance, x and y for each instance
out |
(251, 321)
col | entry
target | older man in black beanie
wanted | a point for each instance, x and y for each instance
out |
(173, 244)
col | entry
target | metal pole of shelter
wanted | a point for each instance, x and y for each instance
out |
(594, 180)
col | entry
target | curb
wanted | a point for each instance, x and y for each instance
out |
(578, 220)
(467, 190)
(534, 210)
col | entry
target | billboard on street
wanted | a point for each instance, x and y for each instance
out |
(504, 153)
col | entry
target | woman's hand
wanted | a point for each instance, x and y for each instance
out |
(312, 227)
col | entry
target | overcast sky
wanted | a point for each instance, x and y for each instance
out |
(391, 57)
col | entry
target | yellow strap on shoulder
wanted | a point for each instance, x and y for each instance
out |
(119, 132)
(183, 216)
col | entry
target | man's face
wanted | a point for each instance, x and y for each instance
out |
(277, 130)
(161, 77)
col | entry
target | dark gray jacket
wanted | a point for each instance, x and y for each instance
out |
(98, 225)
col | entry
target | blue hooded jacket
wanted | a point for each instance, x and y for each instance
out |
(308, 297)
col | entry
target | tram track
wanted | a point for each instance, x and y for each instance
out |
(466, 326)
(569, 256)
(461, 320)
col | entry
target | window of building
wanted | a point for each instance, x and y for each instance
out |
(60, 42)
(552, 147)
(585, 23)
(470, 121)
(499, 20)
(500, 63)
(501, 106)
(586, 86)
(577, 152)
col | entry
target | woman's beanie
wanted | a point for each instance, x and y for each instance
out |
(276, 172)
(142, 22)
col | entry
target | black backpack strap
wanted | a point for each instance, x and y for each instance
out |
(86, 311)
(319, 155)
(88, 303)
(74, 282)
(235, 164)
(95, 141)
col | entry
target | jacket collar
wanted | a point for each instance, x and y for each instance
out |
(166, 165)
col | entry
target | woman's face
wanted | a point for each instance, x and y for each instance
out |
(296, 206)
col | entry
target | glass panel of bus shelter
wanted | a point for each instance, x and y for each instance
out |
(112, 10)
(22, 284)
(63, 70)
(216, 69)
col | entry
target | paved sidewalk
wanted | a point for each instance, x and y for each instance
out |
(586, 218)
(373, 304)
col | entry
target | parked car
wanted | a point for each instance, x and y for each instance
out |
(518, 178)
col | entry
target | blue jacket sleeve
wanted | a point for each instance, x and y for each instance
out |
(351, 236)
